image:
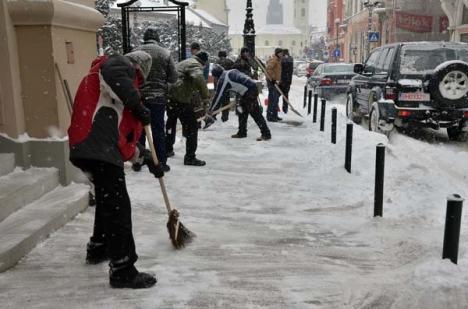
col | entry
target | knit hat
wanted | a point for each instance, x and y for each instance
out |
(151, 33)
(143, 59)
(245, 50)
(278, 50)
(222, 53)
(202, 57)
(195, 45)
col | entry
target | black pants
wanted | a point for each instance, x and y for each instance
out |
(113, 217)
(285, 88)
(157, 106)
(189, 122)
(249, 104)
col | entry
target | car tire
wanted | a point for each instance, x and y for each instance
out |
(457, 133)
(351, 110)
(375, 121)
(449, 84)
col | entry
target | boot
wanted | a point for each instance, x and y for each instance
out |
(239, 135)
(136, 167)
(166, 168)
(264, 138)
(96, 252)
(194, 161)
(131, 278)
(170, 154)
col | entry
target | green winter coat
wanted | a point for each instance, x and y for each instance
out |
(190, 85)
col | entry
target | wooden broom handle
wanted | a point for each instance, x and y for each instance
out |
(149, 138)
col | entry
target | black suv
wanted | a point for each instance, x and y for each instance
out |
(417, 84)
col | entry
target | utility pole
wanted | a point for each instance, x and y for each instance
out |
(370, 5)
(249, 29)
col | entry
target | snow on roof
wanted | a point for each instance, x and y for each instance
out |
(270, 29)
(149, 3)
(207, 16)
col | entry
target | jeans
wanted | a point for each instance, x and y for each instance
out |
(189, 126)
(157, 106)
(113, 217)
(273, 99)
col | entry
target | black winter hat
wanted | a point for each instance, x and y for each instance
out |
(245, 50)
(222, 53)
(217, 70)
(151, 33)
(278, 50)
(202, 56)
(195, 45)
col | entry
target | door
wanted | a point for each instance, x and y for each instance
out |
(314, 80)
(364, 81)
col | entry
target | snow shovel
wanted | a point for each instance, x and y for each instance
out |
(178, 233)
(277, 87)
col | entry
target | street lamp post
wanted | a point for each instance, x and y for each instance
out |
(370, 5)
(337, 44)
(249, 29)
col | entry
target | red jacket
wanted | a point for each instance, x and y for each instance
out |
(102, 126)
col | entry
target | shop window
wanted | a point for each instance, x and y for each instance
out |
(267, 43)
(303, 12)
(465, 15)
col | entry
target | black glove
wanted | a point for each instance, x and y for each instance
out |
(154, 169)
(143, 114)
(273, 82)
(209, 120)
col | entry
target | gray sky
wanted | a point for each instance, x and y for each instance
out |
(237, 14)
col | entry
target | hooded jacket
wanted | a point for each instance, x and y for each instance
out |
(103, 126)
(163, 71)
(190, 81)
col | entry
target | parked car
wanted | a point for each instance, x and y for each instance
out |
(297, 64)
(414, 84)
(312, 66)
(331, 79)
(301, 69)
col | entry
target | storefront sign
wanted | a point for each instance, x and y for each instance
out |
(414, 23)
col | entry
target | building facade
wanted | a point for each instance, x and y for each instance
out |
(294, 37)
(395, 21)
(457, 13)
(335, 34)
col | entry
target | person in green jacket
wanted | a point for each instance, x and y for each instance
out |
(188, 100)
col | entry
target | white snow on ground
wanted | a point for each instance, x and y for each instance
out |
(280, 224)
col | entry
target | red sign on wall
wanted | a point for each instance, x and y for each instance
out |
(414, 23)
(443, 24)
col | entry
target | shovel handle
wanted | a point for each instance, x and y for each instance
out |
(149, 138)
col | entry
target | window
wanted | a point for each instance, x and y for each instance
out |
(267, 43)
(293, 43)
(371, 62)
(465, 15)
(388, 60)
(303, 12)
(380, 62)
(280, 43)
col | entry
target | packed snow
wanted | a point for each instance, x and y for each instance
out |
(280, 224)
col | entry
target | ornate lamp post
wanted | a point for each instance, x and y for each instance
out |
(370, 5)
(249, 29)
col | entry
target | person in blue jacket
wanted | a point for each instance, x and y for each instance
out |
(234, 80)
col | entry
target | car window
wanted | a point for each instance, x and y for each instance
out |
(371, 62)
(318, 70)
(340, 68)
(424, 59)
(380, 62)
(388, 60)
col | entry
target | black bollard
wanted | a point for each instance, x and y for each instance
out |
(333, 126)
(322, 115)
(349, 146)
(315, 107)
(379, 180)
(452, 227)
(305, 96)
(310, 103)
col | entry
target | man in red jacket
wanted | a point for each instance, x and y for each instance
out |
(106, 123)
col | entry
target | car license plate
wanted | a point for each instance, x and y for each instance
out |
(415, 96)
(343, 81)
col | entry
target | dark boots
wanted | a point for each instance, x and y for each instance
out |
(131, 278)
(96, 252)
(193, 161)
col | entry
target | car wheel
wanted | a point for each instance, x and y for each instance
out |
(351, 110)
(378, 125)
(457, 133)
(449, 84)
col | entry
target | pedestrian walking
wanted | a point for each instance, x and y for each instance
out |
(154, 92)
(234, 80)
(188, 99)
(273, 69)
(105, 126)
(287, 68)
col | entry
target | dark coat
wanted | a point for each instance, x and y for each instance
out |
(287, 68)
(226, 63)
(244, 66)
(163, 70)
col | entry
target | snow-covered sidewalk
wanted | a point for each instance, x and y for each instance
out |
(280, 224)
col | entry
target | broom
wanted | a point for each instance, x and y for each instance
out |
(178, 233)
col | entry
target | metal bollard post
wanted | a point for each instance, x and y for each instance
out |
(322, 115)
(379, 180)
(349, 146)
(309, 107)
(315, 107)
(333, 126)
(305, 96)
(452, 227)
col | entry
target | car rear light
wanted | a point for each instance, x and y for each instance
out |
(390, 93)
(404, 114)
(326, 82)
(465, 114)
